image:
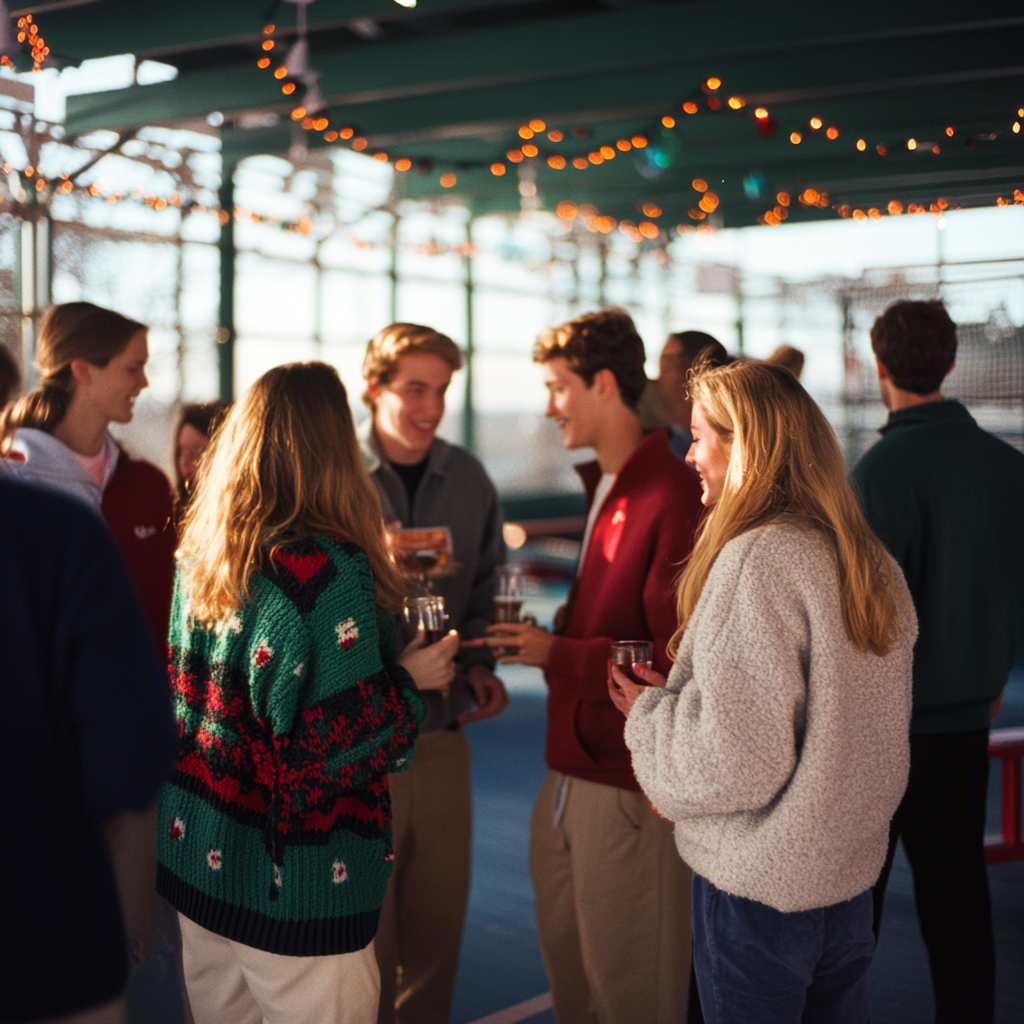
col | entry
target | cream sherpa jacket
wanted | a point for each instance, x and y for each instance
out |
(778, 748)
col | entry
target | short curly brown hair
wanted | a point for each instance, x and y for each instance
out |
(605, 340)
(916, 342)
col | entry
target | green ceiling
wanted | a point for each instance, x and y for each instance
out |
(448, 83)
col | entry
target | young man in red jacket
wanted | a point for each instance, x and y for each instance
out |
(613, 897)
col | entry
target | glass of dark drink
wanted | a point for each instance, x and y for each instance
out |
(508, 601)
(628, 653)
(426, 613)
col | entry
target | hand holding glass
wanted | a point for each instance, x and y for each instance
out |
(426, 613)
(508, 602)
(629, 653)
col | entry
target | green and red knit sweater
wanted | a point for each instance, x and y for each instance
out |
(275, 826)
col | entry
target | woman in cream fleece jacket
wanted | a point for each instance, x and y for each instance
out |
(779, 743)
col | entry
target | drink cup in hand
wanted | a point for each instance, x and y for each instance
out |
(627, 654)
(426, 613)
(508, 602)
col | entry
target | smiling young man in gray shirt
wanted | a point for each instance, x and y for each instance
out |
(424, 481)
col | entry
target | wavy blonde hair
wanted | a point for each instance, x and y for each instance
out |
(785, 461)
(283, 466)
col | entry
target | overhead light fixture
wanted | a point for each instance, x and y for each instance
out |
(313, 100)
(366, 28)
(406, 3)
(297, 62)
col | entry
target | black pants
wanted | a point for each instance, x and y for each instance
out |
(941, 821)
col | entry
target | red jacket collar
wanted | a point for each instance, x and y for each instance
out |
(646, 457)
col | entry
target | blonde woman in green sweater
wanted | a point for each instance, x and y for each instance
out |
(274, 841)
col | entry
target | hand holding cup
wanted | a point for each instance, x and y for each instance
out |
(431, 665)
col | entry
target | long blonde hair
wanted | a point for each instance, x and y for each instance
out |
(785, 461)
(70, 331)
(283, 466)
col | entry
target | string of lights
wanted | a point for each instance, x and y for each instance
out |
(586, 215)
(590, 218)
(713, 99)
(28, 34)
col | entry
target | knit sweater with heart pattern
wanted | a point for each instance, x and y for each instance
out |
(275, 826)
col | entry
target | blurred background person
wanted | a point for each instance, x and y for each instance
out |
(88, 737)
(92, 367)
(10, 376)
(664, 402)
(791, 358)
(424, 481)
(192, 433)
(778, 744)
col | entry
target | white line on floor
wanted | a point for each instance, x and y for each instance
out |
(521, 1011)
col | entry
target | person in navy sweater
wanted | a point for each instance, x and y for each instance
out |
(88, 737)
(613, 897)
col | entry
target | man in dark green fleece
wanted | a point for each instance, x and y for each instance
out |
(947, 499)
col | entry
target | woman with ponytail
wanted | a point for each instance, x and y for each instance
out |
(92, 367)
(779, 742)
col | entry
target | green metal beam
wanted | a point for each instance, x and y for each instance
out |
(107, 27)
(516, 71)
(455, 98)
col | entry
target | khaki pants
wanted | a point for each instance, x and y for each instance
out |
(425, 907)
(613, 907)
(230, 983)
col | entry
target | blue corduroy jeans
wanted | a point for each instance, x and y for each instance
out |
(757, 965)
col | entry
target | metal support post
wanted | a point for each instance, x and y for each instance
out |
(738, 278)
(851, 381)
(36, 266)
(226, 310)
(318, 300)
(393, 268)
(468, 424)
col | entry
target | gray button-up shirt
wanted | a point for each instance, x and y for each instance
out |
(455, 492)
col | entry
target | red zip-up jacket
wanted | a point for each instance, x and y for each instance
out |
(138, 506)
(625, 592)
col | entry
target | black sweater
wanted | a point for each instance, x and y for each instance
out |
(947, 499)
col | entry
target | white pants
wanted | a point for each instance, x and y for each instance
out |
(230, 983)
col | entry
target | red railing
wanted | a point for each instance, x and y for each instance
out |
(1007, 746)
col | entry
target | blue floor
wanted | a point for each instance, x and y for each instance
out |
(501, 964)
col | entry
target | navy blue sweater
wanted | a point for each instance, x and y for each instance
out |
(947, 499)
(87, 734)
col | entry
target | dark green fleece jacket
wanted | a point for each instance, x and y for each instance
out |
(947, 499)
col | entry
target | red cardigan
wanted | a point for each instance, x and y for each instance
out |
(139, 509)
(625, 592)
